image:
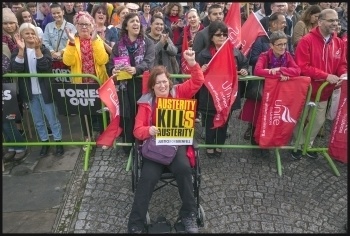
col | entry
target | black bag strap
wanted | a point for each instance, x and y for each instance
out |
(59, 40)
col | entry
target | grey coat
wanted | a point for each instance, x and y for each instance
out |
(165, 55)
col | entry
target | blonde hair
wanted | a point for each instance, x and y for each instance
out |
(28, 26)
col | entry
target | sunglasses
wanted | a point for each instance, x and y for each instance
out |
(220, 35)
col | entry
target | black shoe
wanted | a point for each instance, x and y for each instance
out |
(210, 154)
(218, 153)
(59, 149)
(45, 149)
(135, 230)
(190, 223)
(297, 155)
(312, 155)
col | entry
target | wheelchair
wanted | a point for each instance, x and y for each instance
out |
(168, 178)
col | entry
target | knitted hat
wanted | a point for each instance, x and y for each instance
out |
(8, 16)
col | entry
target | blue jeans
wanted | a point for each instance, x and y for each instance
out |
(12, 135)
(38, 108)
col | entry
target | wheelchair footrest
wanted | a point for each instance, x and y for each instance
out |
(161, 226)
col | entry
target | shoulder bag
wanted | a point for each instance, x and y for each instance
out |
(163, 154)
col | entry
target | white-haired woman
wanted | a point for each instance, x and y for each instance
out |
(32, 57)
(85, 54)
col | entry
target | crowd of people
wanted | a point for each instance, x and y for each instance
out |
(87, 37)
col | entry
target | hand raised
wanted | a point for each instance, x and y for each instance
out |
(189, 54)
(94, 34)
(37, 42)
(19, 41)
(69, 34)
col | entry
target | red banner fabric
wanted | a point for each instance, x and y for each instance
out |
(251, 29)
(222, 82)
(338, 144)
(184, 65)
(281, 106)
(145, 78)
(233, 22)
(109, 97)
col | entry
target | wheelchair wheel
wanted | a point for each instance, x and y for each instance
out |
(201, 217)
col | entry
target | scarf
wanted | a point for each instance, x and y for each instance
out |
(212, 50)
(132, 50)
(275, 62)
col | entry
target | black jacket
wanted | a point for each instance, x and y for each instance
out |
(44, 65)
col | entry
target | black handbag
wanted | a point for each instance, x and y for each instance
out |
(254, 89)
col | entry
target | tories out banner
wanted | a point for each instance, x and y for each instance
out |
(185, 69)
(175, 119)
(338, 143)
(222, 82)
(58, 67)
(10, 110)
(281, 106)
(233, 22)
(109, 97)
(251, 29)
(73, 98)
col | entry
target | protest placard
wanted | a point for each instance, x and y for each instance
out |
(175, 119)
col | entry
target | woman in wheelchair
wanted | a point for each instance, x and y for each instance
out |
(160, 85)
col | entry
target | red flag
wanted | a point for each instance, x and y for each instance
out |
(279, 111)
(222, 82)
(109, 97)
(251, 29)
(233, 22)
(338, 143)
(145, 77)
(184, 65)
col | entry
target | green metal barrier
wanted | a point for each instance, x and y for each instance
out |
(324, 151)
(276, 149)
(88, 144)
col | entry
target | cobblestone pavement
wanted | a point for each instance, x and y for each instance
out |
(239, 193)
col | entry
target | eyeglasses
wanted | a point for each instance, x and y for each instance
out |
(220, 35)
(331, 20)
(84, 25)
(100, 12)
(281, 45)
(162, 82)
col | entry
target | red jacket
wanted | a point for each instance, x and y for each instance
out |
(317, 58)
(291, 70)
(185, 90)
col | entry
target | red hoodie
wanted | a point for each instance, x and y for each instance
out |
(317, 58)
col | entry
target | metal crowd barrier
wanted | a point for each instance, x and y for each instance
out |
(322, 150)
(238, 144)
(276, 150)
(72, 142)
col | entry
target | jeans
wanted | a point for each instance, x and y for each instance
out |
(38, 108)
(320, 118)
(150, 175)
(12, 135)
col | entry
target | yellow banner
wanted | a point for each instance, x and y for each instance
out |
(175, 120)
